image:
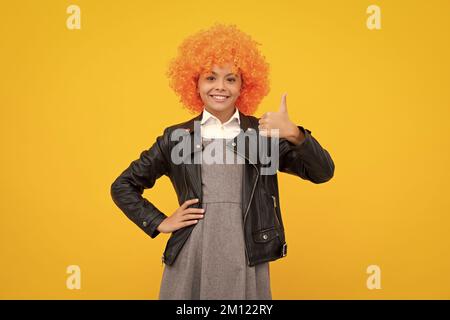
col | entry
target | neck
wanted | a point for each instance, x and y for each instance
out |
(224, 115)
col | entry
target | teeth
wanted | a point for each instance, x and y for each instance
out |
(219, 97)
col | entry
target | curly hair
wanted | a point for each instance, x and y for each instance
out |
(219, 45)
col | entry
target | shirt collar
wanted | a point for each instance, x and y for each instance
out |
(207, 115)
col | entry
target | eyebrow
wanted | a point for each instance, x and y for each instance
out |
(226, 75)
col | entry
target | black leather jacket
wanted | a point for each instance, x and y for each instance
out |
(263, 223)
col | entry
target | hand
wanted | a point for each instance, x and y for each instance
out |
(182, 217)
(280, 120)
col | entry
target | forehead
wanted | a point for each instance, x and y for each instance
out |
(223, 70)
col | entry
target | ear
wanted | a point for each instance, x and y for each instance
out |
(196, 79)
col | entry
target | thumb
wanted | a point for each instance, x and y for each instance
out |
(283, 105)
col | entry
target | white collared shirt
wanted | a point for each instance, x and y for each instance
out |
(212, 127)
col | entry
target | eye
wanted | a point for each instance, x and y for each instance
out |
(210, 78)
(232, 79)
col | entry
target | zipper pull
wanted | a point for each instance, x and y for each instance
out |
(274, 202)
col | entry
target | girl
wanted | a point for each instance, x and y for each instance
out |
(228, 226)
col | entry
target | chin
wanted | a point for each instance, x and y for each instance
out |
(219, 107)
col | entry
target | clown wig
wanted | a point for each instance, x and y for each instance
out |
(217, 46)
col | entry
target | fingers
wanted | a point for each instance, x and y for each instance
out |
(191, 213)
(188, 223)
(283, 104)
(263, 124)
(193, 210)
(187, 217)
(266, 115)
(187, 203)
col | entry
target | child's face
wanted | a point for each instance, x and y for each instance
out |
(219, 89)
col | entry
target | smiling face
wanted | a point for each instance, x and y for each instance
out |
(219, 90)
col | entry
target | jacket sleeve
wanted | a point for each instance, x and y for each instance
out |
(307, 160)
(127, 189)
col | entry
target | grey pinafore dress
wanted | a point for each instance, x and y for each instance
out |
(212, 263)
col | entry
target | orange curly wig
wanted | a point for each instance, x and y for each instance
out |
(219, 45)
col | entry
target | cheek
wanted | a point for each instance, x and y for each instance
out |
(202, 94)
(204, 89)
(201, 85)
(236, 91)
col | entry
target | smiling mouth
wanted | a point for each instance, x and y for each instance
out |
(219, 98)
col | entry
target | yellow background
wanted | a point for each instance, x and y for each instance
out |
(77, 106)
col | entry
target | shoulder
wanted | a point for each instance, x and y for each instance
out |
(180, 129)
(189, 124)
(253, 120)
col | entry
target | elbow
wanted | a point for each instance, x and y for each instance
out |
(326, 174)
(115, 190)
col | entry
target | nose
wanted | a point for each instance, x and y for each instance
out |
(220, 85)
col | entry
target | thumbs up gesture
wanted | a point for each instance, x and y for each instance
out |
(280, 120)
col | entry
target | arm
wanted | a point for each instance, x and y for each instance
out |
(127, 189)
(307, 159)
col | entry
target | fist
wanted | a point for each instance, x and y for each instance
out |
(278, 120)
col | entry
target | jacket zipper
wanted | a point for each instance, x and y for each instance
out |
(275, 210)
(250, 201)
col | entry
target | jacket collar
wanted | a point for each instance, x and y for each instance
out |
(245, 122)
(207, 115)
(247, 127)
